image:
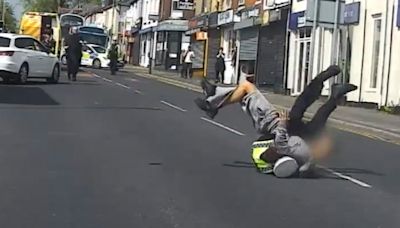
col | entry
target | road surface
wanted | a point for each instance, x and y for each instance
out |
(125, 151)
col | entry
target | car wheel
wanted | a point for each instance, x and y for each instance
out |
(55, 76)
(64, 60)
(96, 64)
(6, 80)
(23, 73)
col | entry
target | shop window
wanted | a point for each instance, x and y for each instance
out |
(376, 50)
(241, 2)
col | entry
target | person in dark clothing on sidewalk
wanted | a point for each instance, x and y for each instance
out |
(220, 67)
(113, 56)
(74, 53)
(286, 144)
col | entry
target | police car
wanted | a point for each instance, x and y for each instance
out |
(94, 56)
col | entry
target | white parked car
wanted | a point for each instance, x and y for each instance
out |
(23, 57)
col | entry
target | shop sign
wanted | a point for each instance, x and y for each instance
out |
(225, 17)
(352, 13)
(186, 4)
(255, 12)
(398, 14)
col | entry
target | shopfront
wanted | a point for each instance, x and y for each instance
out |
(213, 44)
(272, 47)
(228, 43)
(198, 40)
(171, 39)
(248, 32)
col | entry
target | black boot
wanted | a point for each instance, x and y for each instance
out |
(330, 72)
(208, 88)
(210, 110)
(343, 90)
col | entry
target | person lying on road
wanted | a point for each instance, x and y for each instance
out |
(288, 144)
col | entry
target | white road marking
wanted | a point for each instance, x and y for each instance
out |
(174, 106)
(138, 91)
(95, 75)
(345, 177)
(122, 85)
(223, 126)
(106, 79)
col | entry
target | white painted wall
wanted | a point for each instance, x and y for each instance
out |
(150, 7)
(388, 66)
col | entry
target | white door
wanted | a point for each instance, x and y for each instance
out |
(32, 56)
(302, 65)
(45, 60)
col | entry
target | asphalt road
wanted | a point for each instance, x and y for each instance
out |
(125, 151)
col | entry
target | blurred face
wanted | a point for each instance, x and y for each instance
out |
(321, 147)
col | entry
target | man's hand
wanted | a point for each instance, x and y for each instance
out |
(284, 117)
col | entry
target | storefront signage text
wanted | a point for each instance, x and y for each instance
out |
(186, 4)
(225, 17)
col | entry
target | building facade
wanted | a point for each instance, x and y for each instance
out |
(375, 46)
(148, 32)
(171, 38)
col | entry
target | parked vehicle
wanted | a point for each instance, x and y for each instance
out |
(23, 57)
(94, 56)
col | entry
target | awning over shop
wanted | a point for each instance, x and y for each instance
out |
(173, 25)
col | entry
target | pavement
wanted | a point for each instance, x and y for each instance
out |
(368, 122)
(129, 151)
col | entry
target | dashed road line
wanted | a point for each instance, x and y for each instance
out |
(138, 91)
(345, 177)
(223, 126)
(173, 106)
(122, 85)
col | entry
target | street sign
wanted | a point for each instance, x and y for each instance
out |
(154, 17)
(186, 4)
(398, 14)
(352, 13)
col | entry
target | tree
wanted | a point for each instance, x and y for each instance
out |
(10, 21)
(52, 5)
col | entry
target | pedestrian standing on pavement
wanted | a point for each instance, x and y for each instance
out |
(113, 56)
(188, 60)
(220, 66)
(74, 53)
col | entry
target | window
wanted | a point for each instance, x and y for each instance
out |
(25, 43)
(4, 42)
(227, 4)
(376, 50)
(99, 49)
(39, 46)
(241, 2)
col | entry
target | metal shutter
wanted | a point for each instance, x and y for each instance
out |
(248, 43)
(271, 56)
(198, 49)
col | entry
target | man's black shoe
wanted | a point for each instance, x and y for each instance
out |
(208, 88)
(330, 72)
(207, 107)
(343, 90)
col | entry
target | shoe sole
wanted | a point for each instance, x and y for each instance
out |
(285, 167)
